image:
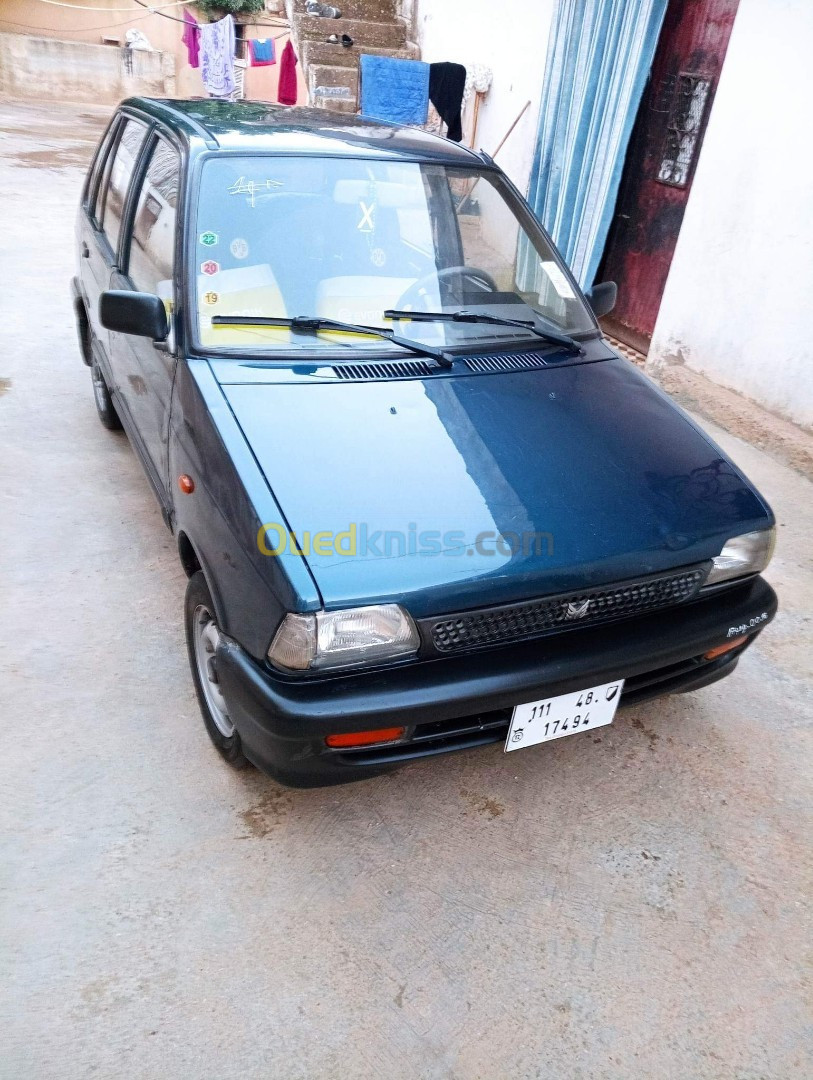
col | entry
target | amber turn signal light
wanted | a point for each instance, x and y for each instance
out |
(712, 654)
(365, 738)
(186, 484)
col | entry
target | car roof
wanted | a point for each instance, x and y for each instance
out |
(259, 125)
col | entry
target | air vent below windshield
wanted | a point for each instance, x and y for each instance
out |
(523, 361)
(385, 369)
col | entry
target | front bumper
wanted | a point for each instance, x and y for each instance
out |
(466, 700)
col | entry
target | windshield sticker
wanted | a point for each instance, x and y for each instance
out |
(559, 281)
(239, 247)
(208, 239)
(250, 188)
(210, 267)
(378, 257)
(211, 297)
(366, 223)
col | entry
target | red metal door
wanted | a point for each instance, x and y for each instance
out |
(660, 161)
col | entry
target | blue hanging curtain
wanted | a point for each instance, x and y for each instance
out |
(599, 56)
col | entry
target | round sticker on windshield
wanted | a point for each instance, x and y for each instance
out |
(239, 248)
(208, 239)
(378, 256)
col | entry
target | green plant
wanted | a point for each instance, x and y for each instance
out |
(230, 7)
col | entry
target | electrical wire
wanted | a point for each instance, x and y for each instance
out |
(50, 29)
(174, 18)
(82, 7)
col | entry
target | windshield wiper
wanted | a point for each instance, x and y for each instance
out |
(315, 323)
(464, 316)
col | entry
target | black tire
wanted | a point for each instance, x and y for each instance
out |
(104, 402)
(200, 622)
(83, 331)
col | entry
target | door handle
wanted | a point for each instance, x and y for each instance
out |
(85, 250)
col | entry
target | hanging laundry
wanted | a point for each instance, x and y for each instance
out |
(287, 76)
(191, 39)
(217, 57)
(395, 90)
(446, 85)
(262, 52)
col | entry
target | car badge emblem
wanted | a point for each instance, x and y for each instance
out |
(577, 611)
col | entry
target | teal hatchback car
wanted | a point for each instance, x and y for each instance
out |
(421, 503)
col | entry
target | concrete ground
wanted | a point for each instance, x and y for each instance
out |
(627, 904)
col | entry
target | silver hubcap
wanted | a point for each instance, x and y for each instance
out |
(99, 388)
(207, 638)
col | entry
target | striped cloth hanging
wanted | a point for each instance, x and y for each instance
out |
(599, 56)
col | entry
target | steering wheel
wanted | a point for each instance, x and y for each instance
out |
(418, 292)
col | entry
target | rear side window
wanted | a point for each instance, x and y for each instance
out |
(152, 247)
(116, 179)
(99, 163)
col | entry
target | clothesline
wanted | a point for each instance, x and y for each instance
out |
(156, 11)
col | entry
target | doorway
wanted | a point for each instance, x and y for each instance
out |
(660, 162)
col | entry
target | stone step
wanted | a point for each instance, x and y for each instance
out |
(334, 88)
(369, 10)
(319, 52)
(386, 35)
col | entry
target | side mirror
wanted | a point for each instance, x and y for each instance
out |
(602, 298)
(142, 314)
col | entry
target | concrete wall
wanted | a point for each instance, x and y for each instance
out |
(511, 38)
(106, 19)
(76, 71)
(737, 300)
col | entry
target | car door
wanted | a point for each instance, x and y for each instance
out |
(144, 369)
(101, 222)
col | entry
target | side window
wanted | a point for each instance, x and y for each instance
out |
(152, 246)
(99, 163)
(116, 179)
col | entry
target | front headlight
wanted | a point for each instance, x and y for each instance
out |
(746, 554)
(339, 639)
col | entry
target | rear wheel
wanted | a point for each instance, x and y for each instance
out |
(202, 639)
(104, 402)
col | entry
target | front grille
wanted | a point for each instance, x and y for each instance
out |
(516, 622)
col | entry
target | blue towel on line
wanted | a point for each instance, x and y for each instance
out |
(395, 90)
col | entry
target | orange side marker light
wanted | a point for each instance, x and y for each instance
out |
(712, 654)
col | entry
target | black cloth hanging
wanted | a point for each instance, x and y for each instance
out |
(446, 85)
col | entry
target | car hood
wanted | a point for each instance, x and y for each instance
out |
(590, 473)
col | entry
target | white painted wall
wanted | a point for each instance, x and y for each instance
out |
(510, 37)
(740, 290)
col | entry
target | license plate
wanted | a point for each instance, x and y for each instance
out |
(568, 714)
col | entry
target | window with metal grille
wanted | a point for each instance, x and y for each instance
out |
(684, 129)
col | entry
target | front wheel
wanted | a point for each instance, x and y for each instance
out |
(202, 639)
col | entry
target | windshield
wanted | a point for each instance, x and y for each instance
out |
(347, 239)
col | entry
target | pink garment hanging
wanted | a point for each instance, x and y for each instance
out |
(287, 76)
(191, 39)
